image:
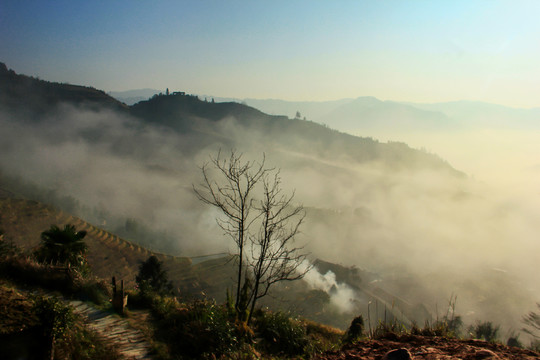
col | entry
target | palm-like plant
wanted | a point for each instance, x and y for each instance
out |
(65, 246)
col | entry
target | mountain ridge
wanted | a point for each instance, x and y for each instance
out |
(189, 114)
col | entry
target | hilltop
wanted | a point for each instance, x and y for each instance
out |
(34, 96)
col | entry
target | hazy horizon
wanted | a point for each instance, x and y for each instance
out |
(301, 51)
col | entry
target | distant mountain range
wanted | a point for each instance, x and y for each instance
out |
(371, 114)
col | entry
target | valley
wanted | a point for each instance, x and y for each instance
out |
(392, 231)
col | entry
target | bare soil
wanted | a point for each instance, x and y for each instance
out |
(430, 348)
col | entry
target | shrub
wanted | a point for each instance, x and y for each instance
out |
(54, 316)
(69, 281)
(84, 344)
(27, 271)
(446, 328)
(388, 330)
(454, 325)
(55, 319)
(140, 300)
(513, 340)
(484, 330)
(152, 278)
(94, 290)
(201, 329)
(321, 338)
(532, 322)
(64, 246)
(355, 330)
(280, 334)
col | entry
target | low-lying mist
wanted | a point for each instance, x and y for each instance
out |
(426, 233)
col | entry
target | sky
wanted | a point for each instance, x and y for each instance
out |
(300, 50)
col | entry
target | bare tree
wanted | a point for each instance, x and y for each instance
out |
(274, 257)
(231, 185)
(228, 184)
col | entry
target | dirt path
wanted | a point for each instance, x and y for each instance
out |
(130, 342)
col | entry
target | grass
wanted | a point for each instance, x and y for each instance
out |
(203, 329)
(34, 319)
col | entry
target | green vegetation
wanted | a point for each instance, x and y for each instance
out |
(202, 329)
(52, 328)
(281, 335)
(199, 329)
(355, 330)
(513, 340)
(55, 317)
(51, 324)
(194, 329)
(62, 246)
(484, 330)
(152, 278)
(151, 281)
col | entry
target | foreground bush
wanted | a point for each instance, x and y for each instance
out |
(355, 330)
(66, 334)
(204, 330)
(40, 327)
(484, 330)
(197, 330)
(321, 338)
(280, 334)
(71, 282)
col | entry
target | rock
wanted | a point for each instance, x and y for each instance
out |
(485, 354)
(398, 354)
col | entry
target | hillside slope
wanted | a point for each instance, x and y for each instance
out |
(109, 255)
(34, 97)
(208, 122)
(212, 122)
(22, 222)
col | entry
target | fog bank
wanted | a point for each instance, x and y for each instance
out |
(427, 233)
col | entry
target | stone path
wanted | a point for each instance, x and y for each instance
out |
(130, 342)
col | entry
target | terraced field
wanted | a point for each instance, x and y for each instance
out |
(207, 276)
(109, 255)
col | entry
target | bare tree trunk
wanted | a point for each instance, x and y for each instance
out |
(239, 283)
(232, 194)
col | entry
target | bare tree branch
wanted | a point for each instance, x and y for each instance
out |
(228, 185)
(231, 184)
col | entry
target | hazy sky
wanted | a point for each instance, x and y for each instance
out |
(423, 51)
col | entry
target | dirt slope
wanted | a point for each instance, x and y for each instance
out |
(431, 348)
(109, 255)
